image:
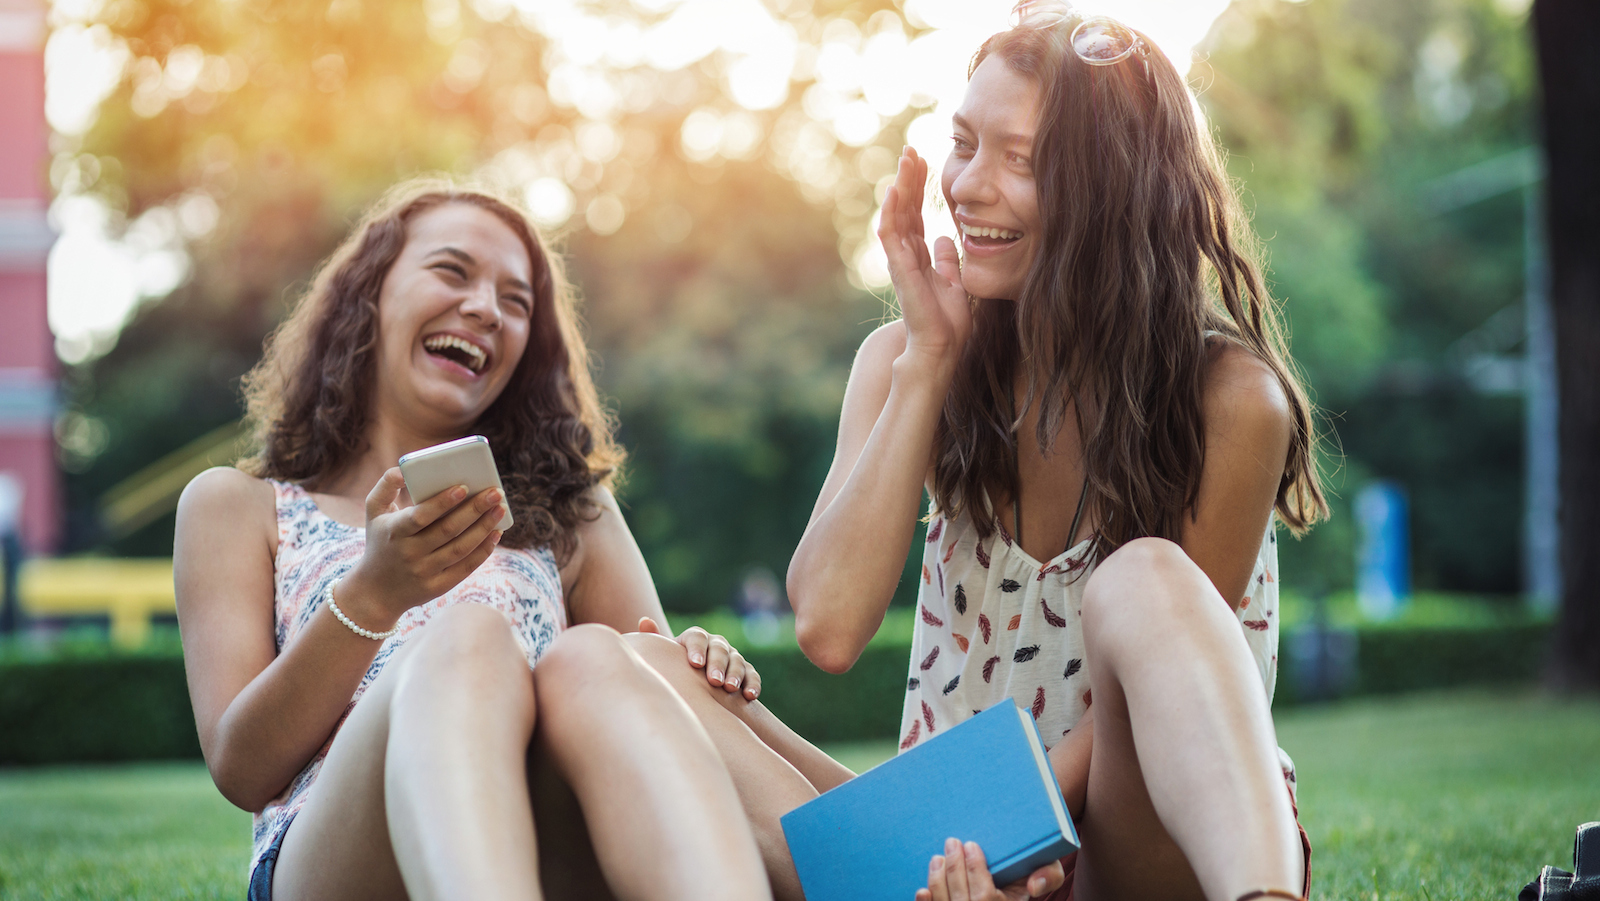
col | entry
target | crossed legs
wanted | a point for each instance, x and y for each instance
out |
(424, 792)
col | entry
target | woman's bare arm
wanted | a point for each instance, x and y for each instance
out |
(847, 565)
(261, 715)
(845, 569)
(1247, 431)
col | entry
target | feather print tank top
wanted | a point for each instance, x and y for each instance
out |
(314, 549)
(994, 623)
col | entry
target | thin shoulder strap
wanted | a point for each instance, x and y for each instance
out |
(1083, 496)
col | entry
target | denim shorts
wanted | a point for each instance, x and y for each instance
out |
(261, 876)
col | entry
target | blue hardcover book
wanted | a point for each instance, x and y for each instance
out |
(986, 781)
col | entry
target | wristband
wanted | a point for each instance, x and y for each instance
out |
(364, 633)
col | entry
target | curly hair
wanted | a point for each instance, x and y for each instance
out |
(310, 397)
(1144, 250)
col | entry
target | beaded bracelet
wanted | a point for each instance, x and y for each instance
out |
(364, 633)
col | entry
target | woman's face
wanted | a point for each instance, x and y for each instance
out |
(988, 180)
(453, 318)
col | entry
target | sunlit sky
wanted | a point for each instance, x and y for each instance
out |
(861, 78)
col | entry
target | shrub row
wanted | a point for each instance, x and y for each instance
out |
(137, 708)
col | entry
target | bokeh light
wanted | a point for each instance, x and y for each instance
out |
(826, 100)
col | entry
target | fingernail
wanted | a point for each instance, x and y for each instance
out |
(951, 847)
(494, 537)
(971, 848)
(495, 496)
(697, 659)
(458, 492)
(717, 675)
(937, 864)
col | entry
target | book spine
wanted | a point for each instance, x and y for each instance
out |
(1019, 865)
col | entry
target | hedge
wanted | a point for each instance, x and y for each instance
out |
(137, 707)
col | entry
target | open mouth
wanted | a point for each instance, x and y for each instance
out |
(459, 351)
(989, 237)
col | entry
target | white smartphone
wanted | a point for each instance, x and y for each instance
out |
(465, 461)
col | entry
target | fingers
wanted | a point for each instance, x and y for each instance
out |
(1046, 879)
(955, 870)
(718, 652)
(752, 682)
(455, 520)
(937, 889)
(737, 668)
(428, 512)
(381, 498)
(452, 575)
(695, 641)
(922, 190)
(946, 260)
(469, 540)
(648, 625)
(980, 882)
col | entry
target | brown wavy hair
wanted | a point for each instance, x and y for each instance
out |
(1144, 249)
(310, 397)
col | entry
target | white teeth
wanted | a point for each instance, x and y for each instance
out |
(975, 232)
(440, 342)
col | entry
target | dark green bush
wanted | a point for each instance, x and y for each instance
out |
(112, 708)
(137, 707)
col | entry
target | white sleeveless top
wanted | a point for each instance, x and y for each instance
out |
(994, 623)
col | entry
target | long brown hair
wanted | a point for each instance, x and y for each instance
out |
(1144, 249)
(310, 396)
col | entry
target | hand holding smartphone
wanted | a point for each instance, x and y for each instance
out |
(465, 461)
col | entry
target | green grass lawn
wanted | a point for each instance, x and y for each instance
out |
(1452, 796)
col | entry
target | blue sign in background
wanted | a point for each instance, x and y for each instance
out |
(1383, 557)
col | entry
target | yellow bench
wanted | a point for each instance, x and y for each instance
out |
(129, 590)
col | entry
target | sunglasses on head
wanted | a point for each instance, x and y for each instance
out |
(1097, 40)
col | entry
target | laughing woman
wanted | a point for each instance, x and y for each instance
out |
(368, 673)
(1093, 390)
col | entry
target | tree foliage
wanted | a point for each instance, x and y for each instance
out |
(721, 306)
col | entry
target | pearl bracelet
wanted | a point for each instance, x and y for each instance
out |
(364, 633)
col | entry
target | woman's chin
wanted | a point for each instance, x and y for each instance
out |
(989, 286)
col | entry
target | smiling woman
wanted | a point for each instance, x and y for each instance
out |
(368, 670)
(406, 287)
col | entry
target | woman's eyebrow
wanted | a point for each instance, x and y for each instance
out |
(467, 258)
(1013, 138)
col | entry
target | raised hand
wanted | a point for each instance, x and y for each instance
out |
(937, 312)
(962, 874)
(724, 666)
(415, 554)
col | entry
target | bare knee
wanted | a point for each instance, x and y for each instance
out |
(585, 654)
(1146, 583)
(470, 646)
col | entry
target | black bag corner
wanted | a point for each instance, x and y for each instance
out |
(1583, 884)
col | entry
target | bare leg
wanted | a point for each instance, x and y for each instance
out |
(664, 816)
(749, 739)
(423, 792)
(1185, 798)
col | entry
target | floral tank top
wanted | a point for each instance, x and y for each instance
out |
(994, 623)
(314, 550)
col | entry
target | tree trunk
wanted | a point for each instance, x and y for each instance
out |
(1568, 34)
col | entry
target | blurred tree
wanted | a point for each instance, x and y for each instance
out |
(708, 229)
(1569, 33)
(716, 291)
(1336, 114)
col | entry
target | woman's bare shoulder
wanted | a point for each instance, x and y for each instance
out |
(1244, 397)
(223, 493)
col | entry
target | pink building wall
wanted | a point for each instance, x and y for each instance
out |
(27, 356)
